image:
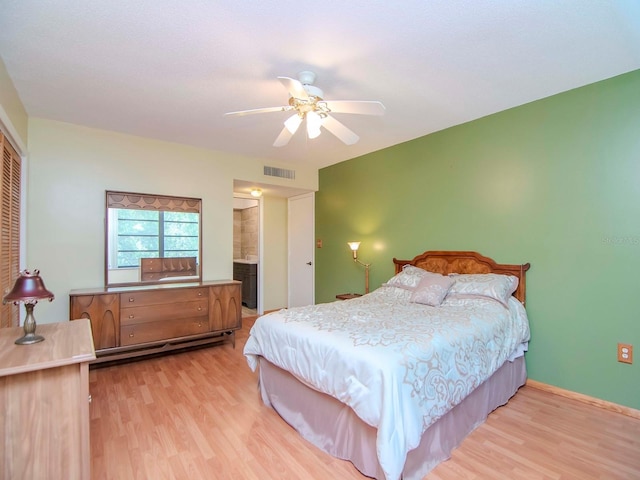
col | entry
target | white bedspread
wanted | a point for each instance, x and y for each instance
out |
(400, 366)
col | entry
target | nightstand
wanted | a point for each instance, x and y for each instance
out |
(44, 397)
(348, 296)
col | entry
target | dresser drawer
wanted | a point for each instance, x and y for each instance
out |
(162, 330)
(150, 276)
(169, 311)
(151, 265)
(160, 296)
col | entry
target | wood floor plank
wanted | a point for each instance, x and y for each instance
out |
(198, 415)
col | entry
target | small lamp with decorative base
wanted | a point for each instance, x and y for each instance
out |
(28, 289)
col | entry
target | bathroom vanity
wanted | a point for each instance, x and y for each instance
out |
(246, 271)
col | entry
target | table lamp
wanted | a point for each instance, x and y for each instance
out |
(28, 289)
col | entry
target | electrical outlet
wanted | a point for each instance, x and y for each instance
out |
(625, 353)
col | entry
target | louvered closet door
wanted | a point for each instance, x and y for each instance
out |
(10, 229)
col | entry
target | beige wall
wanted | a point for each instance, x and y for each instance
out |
(70, 167)
(13, 116)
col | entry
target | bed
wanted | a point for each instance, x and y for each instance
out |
(394, 380)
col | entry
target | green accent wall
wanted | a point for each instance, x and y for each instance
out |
(555, 182)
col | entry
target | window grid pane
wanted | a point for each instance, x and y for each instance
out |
(139, 235)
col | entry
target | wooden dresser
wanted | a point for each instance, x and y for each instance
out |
(44, 400)
(132, 321)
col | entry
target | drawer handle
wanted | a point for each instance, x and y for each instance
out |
(131, 316)
(199, 324)
(199, 294)
(199, 308)
(131, 299)
(131, 335)
(90, 399)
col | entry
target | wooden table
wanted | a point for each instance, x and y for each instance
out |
(44, 402)
(348, 296)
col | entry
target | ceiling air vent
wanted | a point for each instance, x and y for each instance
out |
(280, 172)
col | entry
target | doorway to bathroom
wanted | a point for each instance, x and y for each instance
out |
(246, 251)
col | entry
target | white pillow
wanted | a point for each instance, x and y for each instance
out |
(492, 285)
(408, 278)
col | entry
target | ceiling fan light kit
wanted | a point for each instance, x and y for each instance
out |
(314, 122)
(293, 122)
(307, 101)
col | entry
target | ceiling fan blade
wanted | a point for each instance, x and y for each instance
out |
(291, 125)
(358, 107)
(283, 138)
(260, 110)
(293, 122)
(339, 130)
(294, 87)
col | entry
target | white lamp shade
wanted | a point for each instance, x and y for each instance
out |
(292, 123)
(314, 122)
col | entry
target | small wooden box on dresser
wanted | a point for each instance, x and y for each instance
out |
(141, 320)
(44, 402)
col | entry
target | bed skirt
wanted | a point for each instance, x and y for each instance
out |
(334, 427)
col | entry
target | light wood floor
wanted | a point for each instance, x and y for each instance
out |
(249, 312)
(198, 415)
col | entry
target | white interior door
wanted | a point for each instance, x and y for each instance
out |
(301, 250)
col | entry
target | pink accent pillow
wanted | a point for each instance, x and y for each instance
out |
(432, 289)
(408, 278)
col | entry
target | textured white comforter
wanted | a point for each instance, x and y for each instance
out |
(399, 365)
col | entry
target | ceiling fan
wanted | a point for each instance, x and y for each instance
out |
(307, 103)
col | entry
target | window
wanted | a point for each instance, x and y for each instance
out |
(152, 233)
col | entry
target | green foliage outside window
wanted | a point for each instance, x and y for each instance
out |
(153, 233)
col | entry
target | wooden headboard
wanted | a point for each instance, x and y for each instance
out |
(446, 262)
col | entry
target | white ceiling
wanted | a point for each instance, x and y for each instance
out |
(170, 69)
